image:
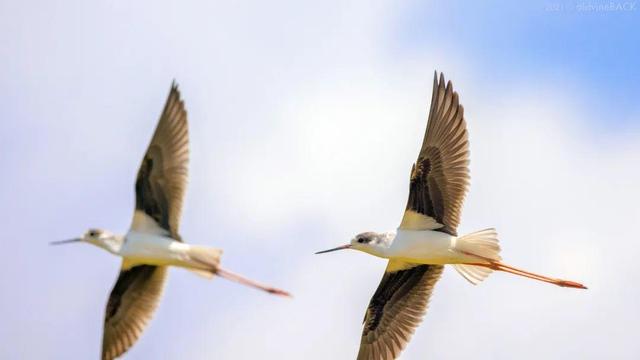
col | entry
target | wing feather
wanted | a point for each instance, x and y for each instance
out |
(162, 178)
(396, 309)
(132, 302)
(440, 176)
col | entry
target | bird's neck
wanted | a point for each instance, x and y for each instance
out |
(383, 244)
(388, 238)
(112, 244)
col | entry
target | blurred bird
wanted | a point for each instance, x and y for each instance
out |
(427, 238)
(153, 243)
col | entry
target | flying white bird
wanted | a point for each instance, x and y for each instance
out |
(427, 238)
(153, 242)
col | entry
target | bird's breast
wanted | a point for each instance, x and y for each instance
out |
(423, 247)
(152, 249)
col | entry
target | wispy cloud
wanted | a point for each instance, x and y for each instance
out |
(304, 123)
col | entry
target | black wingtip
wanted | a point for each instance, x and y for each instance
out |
(175, 89)
(435, 81)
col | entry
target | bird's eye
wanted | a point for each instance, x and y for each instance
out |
(361, 240)
(93, 233)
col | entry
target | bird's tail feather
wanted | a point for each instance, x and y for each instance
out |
(484, 244)
(205, 260)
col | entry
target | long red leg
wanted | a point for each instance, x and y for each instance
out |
(498, 266)
(243, 280)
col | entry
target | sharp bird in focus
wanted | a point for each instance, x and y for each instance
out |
(153, 242)
(427, 238)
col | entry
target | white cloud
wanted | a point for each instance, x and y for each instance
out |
(304, 128)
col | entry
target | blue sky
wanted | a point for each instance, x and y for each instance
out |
(304, 122)
(597, 50)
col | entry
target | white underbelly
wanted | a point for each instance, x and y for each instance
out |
(425, 247)
(150, 249)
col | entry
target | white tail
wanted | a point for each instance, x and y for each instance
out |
(484, 244)
(205, 260)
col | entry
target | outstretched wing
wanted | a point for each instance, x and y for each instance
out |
(440, 176)
(162, 177)
(396, 309)
(131, 305)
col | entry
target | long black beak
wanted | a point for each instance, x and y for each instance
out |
(348, 246)
(61, 242)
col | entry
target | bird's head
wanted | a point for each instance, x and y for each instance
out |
(370, 242)
(98, 237)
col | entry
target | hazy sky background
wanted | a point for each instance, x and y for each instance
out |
(305, 120)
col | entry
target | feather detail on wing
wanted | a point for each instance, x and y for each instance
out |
(440, 176)
(162, 177)
(396, 309)
(131, 305)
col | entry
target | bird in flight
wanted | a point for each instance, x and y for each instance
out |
(153, 242)
(427, 237)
